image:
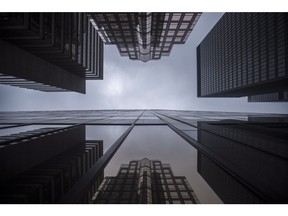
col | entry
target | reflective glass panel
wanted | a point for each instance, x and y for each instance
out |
(109, 134)
(14, 130)
(161, 143)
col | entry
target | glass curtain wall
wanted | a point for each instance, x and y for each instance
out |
(191, 156)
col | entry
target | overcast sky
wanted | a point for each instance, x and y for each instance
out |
(168, 83)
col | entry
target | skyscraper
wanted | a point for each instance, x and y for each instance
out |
(270, 97)
(251, 145)
(245, 54)
(145, 182)
(51, 161)
(60, 156)
(49, 51)
(144, 36)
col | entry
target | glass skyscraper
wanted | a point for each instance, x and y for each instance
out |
(64, 156)
(144, 36)
(54, 51)
(145, 182)
(245, 54)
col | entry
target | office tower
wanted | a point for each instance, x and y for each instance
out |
(245, 54)
(252, 146)
(145, 182)
(223, 183)
(49, 51)
(270, 97)
(45, 164)
(233, 157)
(144, 36)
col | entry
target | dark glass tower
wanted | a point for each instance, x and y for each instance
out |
(144, 36)
(145, 182)
(270, 97)
(245, 54)
(60, 157)
(49, 51)
(51, 161)
(253, 147)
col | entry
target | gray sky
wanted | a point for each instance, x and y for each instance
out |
(169, 83)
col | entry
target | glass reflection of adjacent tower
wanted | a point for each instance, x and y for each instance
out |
(50, 162)
(145, 181)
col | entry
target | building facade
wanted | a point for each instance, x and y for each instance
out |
(270, 97)
(54, 51)
(144, 36)
(51, 161)
(251, 144)
(245, 54)
(145, 182)
(64, 157)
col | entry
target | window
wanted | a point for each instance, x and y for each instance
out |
(169, 181)
(187, 17)
(119, 39)
(184, 25)
(176, 17)
(180, 33)
(174, 195)
(169, 39)
(171, 33)
(166, 17)
(184, 194)
(181, 187)
(123, 170)
(173, 26)
(166, 171)
(171, 187)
